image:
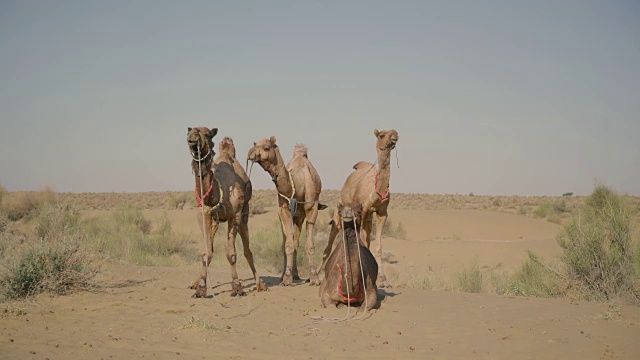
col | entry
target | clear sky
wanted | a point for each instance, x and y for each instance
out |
(489, 97)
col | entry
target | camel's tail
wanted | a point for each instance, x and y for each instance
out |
(321, 206)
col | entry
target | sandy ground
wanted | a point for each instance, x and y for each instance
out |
(144, 312)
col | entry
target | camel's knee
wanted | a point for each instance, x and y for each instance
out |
(232, 257)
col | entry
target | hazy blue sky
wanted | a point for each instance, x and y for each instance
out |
(490, 97)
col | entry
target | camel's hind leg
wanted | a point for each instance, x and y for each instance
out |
(236, 286)
(210, 228)
(287, 246)
(244, 235)
(381, 219)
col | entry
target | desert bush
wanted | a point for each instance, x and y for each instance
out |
(534, 278)
(133, 216)
(55, 220)
(470, 279)
(46, 260)
(597, 247)
(3, 192)
(179, 200)
(127, 236)
(391, 229)
(20, 205)
(258, 206)
(58, 267)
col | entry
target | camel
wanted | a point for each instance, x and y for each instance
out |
(370, 189)
(298, 185)
(351, 270)
(224, 197)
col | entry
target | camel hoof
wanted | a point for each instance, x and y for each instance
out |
(313, 279)
(201, 292)
(237, 290)
(261, 286)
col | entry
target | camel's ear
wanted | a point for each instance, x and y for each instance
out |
(376, 132)
(273, 140)
(254, 143)
(213, 132)
(188, 130)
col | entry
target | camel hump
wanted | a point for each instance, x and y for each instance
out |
(362, 165)
(300, 150)
(227, 147)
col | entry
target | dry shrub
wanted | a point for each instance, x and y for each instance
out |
(58, 267)
(536, 279)
(470, 279)
(180, 200)
(50, 260)
(3, 192)
(127, 236)
(26, 204)
(597, 248)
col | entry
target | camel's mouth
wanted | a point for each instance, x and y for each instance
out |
(393, 142)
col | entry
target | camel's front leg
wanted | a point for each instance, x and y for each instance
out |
(287, 234)
(232, 257)
(381, 219)
(296, 244)
(209, 231)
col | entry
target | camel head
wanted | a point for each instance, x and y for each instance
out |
(387, 139)
(264, 152)
(201, 139)
(349, 213)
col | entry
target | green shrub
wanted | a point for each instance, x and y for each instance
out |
(542, 211)
(470, 279)
(597, 248)
(127, 236)
(46, 267)
(535, 279)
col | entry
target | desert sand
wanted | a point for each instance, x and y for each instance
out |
(147, 312)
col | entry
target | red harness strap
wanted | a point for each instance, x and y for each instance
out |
(385, 196)
(208, 191)
(340, 288)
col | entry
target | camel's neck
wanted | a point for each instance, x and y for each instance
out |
(384, 170)
(280, 175)
(202, 187)
(351, 271)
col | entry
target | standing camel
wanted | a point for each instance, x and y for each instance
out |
(298, 185)
(369, 188)
(224, 197)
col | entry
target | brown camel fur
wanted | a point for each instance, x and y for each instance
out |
(232, 205)
(369, 187)
(343, 282)
(307, 184)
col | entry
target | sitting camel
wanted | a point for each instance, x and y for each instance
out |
(224, 197)
(298, 185)
(369, 188)
(351, 270)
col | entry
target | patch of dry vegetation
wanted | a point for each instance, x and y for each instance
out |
(600, 260)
